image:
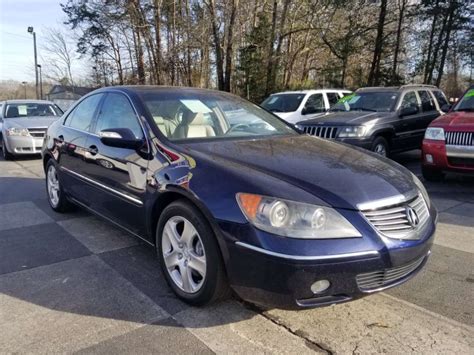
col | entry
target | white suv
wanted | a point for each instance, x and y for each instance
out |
(296, 106)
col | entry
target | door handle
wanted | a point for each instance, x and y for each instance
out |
(93, 150)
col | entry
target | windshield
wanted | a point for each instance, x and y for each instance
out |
(31, 110)
(283, 102)
(367, 101)
(204, 115)
(467, 102)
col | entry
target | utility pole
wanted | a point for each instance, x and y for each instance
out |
(24, 87)
(41, 81)
(31, 30)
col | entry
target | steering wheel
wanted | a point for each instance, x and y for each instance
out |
(239, 125)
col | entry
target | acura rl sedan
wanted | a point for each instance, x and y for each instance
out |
(23, 125)
(234, 198)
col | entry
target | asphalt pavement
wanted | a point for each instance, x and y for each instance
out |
(74, 283)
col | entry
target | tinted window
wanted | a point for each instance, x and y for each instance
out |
(117, 112)
(427, 102)
(333, 98)
(367, 101)
(409, 100)
(440, 97)
(467, 102)
(82, 115)
(283, 102)
(315, 103)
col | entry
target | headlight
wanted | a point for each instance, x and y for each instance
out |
(422, 188)
(294, 219)
(352, 132)
(434, 133)
(17, 132)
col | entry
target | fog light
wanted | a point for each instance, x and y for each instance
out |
(320, 286)
(429, 158)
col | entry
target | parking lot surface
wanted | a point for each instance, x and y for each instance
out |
(74, 283)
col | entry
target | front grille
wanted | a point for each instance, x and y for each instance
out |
(375, 280)
(459, 138)
(328, 132)
(393, 221)
(37, 132)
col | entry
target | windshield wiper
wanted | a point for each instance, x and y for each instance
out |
(466, 109)
(338, 110)
(365, 109)
(275, 110)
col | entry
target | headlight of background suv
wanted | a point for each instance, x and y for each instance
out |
(17, 132)
(352, 132)
(294, 219)
(434, 133)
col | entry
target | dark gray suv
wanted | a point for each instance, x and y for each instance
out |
(382, 119)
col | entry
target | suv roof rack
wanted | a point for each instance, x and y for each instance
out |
(419, 85)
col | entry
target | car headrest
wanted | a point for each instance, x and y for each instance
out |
(198, 119)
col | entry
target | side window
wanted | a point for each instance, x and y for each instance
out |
(315, 103)
(117, 112)
(426, 101)
(409, 100)
(82, 115)
(440, 97)
(333, 98)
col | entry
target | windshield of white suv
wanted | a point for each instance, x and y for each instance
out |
(375, 101)
(210, 115)
(31, 110)
(283, 102)
(467, 102)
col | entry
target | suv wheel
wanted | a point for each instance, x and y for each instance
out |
(432, 174)
(189, 255)
(380, 146)
(5, 153)
(56, 197)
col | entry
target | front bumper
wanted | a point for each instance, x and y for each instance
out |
(277, 279)
(19, 145)
(365, 143)
(436, 155)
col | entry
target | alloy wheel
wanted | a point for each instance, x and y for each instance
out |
(53, 186)
(183, 254)
(380, 149)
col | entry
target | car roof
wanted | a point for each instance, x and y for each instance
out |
(312, 91)
(23, 101)
(398, 88)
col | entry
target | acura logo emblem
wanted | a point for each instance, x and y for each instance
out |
(412, 217)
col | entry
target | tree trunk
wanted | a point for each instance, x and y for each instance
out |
(217, 44)
(374, 74)
(430, 46)
(229, 49)
(446, 42)
(270, 62)
(401, 14)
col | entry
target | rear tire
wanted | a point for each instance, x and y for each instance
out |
(432, 174)
(56, 196)
(5, 153)
(189, 255)
(381, 147)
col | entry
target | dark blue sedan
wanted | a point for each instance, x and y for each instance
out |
(232, 197)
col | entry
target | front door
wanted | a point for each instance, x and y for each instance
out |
(118, 174)
(407, 127)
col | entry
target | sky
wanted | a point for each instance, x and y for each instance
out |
(16, 44)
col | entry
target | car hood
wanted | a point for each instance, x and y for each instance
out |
(29, 122)
(351, 118)
(340, 175)
(455, 120)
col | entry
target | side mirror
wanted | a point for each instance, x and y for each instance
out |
(446, 107)
(120, 138)
(408, 111)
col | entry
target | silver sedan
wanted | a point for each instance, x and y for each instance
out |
(23, 125)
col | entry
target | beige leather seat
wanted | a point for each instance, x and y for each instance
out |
(193, 125)
(166, 126)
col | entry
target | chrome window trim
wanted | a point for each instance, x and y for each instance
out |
(308, 258)
(121, 194)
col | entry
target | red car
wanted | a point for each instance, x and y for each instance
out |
(449, 141)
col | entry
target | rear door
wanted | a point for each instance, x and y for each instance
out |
(71, 139)
(117, 174)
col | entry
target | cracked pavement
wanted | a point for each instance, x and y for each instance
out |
(74, 283)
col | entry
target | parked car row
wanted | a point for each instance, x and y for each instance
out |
(384, 120)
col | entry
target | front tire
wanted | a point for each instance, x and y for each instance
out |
(189, 255)
(5, 153)
(381, 147)
(56, 196)
(433, 175)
